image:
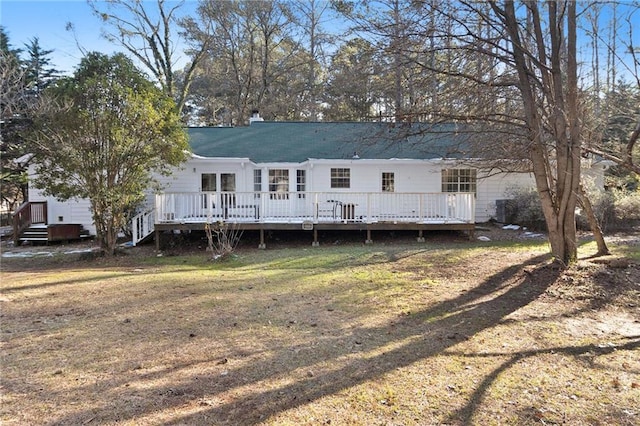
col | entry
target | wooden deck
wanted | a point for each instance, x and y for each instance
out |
(308, 212)
(313, 229)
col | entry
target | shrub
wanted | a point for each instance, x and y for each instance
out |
(603, 204)
(524, 208)
(627, 206)
(617, 209)
(222, 239)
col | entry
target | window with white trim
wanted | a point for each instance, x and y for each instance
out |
(208, 182)
(257, 182)
(228, 187)
(340, 178)
(279, 184)
(388, 182)
(459, 180)
(301, 182)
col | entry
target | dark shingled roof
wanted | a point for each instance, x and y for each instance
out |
(295, 142)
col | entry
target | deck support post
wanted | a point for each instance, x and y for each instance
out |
(420, 236)
(262, 244)
(157, 238)
(472, 234)
(369, 240)
(315, 242)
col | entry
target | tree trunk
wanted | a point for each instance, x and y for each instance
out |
(106, 231)
(594, 223)
(554, 132)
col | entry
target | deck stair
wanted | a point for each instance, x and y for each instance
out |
(43, 233)
(35, 233)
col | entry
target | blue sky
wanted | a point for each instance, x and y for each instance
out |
(47, 19)
(25, 19)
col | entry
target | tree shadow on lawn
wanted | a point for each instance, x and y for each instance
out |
(465, 413)
(425, 334)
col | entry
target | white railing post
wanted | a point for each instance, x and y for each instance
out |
(366, 207)
(142, 225)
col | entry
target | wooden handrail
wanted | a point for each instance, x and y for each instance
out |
(26, 215)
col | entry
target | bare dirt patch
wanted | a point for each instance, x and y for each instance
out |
(442, 332)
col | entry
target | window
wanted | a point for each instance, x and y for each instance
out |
(459, 180)
(388, 182)
(301, 182)
(279, 183)
(228, 186)
(257, 182)
(228, 182)
(208, 182)
(340, 178)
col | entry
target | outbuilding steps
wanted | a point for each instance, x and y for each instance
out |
(42, 233)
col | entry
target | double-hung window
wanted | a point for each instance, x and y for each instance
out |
(301, 182)
(388, 182)
(340, 178)
(279, 184)
(459, 180)
(257, 182)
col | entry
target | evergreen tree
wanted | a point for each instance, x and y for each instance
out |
(15, 119)
(39, 71)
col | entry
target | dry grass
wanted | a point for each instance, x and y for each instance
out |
(404, 334)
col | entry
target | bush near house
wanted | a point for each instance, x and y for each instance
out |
(524, 208)
(615, 209)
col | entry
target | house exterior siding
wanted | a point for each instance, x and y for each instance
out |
(498, 187)
(65, 212)
(411, 176)
(364, 152)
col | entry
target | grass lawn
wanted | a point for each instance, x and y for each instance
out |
(391, 334)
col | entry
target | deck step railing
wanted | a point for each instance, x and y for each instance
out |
(29, 213)
(316, 207)
(142, 225)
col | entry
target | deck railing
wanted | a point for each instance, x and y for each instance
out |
(28, 214)
(315, 207)
(142, 225)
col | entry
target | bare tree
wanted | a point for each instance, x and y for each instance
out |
(530, 97)
(310, 17)
(617, 145)
(152, 37)
(254, 60)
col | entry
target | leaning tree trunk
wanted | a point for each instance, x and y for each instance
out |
(594, 223)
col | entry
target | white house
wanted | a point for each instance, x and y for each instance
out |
(313, 176)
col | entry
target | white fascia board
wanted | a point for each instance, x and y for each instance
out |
(282, 165)
(217, 160)
(344, 161)
(229, 159)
